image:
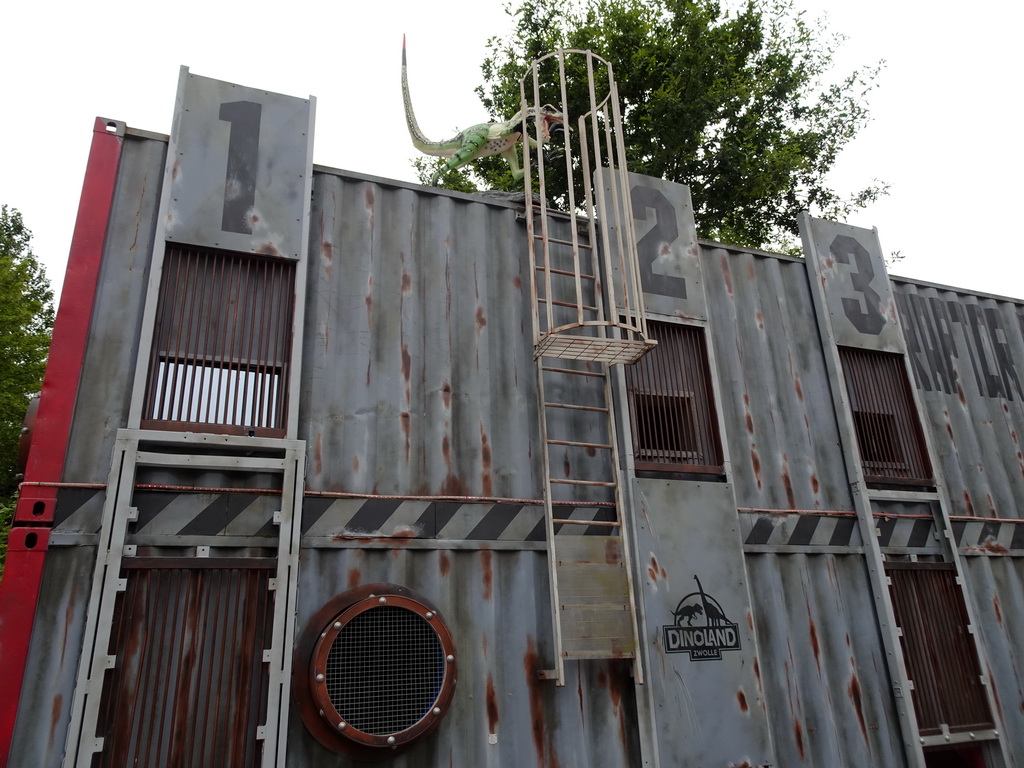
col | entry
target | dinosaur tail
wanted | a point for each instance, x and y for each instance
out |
(421, 142)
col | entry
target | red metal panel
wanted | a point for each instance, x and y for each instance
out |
(18, 594)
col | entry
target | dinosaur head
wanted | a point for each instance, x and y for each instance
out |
(551, 121)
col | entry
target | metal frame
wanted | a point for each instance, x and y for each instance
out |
(862, 498)
(130, 453)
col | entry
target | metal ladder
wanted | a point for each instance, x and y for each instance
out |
(593, 603)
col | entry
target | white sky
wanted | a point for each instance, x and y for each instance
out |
(945, 132)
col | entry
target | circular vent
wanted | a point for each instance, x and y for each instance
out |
(381, 671)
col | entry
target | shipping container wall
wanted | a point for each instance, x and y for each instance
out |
(419, 415)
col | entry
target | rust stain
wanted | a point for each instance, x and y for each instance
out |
(755, 461)
(787, 483)
(757, 675)
(369, 196)
(517, 282)
(492, 706)
(995, 607)
(406, 366)
(485, 458)
(612, 553)
(354, 578)
(616, 696)
(268, 249)
(481, 321)
(446, 394)
(993, 547)
(406, 420)
(960, 394)
(749, 420)
(532, 665)
(991, 505)
(445, 564)
(760, 320)
(815, 484)
(406, 281)
(968, 504)
(318, 453)
(854, 693)
(327, 251)
(58, 704)
(798, 733)
(726, 273)
(751, 272)
(652, 569)
(355, 464)
(814, 644)
(566, 468)
(486, 562)
(750, 620)
(741, 697)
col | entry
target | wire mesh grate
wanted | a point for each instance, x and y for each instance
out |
(385, 670)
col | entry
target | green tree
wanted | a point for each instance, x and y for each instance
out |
(733, 102)
(26, 321)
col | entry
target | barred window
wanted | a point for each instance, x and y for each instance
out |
(889, 434)
(222, 344)
(674, 425)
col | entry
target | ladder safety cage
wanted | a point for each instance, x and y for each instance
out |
(588, 314)
(587, 305)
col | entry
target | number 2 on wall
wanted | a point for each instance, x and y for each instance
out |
(243, 162)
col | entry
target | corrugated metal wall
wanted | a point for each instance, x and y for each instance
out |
(418, 382)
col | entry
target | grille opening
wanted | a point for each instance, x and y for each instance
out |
(384, 670)
(378, 671)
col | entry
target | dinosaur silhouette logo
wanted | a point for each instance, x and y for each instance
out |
(700, 627)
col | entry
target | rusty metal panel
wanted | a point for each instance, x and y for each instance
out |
(849, 263)
(667, 250)
(190, 684)
(776, 398)
(104, 389)
(966, 354)
(941, 660)
(418, 346)
(239, 176)
(698, 627)
(496, 606)
(996, 588)
(44, 710)
(822, 662)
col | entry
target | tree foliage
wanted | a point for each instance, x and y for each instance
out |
(26, 321)
(734, 102)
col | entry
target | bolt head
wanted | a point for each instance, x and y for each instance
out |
(450, 658)
(320, 677)
(391, 739)
(383, 600)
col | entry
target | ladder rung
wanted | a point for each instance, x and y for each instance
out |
(572, 371)
(601, 483)
(602, 523)
(540, 236)
(576, 407)
(565, 273)
(586, 307)
(578, 444)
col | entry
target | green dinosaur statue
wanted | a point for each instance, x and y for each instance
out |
(484, 139)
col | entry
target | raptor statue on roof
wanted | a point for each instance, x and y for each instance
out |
(483, 139)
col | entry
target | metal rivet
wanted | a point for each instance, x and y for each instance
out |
(321, 713)
(337, 625)
(382, 600)
(320, 677)
(342, 725)
(437, 710)
(391, 739)
(430, 614)
(450, 658)
(971, 735)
